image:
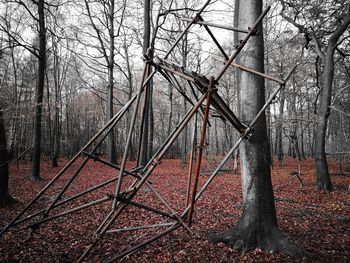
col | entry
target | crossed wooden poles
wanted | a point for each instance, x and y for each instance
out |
(125, 193)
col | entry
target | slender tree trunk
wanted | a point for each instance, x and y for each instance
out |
(151, 122)
(170, 120)
(309, 136)
(257, 226)
(57, 127)
(111, 137)
(39, 93)
(15, 123)
(51, 130)
(170, 88)
(184, 136)
(184, 140)
(216, 137)
(236, 78)
(302, 137)
(145, 128)
(54, 134)
(279, 129)
(147, 133)
(5, 197)
(132, 155)
(279, 126)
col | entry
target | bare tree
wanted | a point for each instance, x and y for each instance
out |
(39, 91)
(325, 52)
(35, 11)
(102, 16)
(257, 226)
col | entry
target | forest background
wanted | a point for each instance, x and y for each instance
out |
(65, 74)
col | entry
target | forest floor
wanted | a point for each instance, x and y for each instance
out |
(317, 222)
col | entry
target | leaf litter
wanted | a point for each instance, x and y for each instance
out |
(318, 222)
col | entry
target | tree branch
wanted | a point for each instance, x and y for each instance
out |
(302, 29)
(333, 39)
(103, 49)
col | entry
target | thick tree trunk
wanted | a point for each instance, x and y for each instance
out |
(257, 226)
(39, 94)
(5, 197)
(322, 173)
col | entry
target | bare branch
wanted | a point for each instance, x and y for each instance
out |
(98, 33)
(309, 34)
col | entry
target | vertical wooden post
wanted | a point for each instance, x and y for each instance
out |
(200, 149)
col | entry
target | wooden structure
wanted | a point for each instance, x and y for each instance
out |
(127, 192)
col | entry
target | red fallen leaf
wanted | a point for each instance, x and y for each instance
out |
(317, 222)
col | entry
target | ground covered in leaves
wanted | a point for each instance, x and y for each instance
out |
(318, 222)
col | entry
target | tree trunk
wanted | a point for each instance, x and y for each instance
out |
(322, 173)
(302, 137)
(39, 94)
(145, 127)
(310, 138)
(216, 137)
(257, 226)
(5, 197)
(111, 138)
(279, 129)
(184, 136)
(151, 122)
(51, 130)
(184, 141)
(147, 130)
(132, 154)
(170, 88)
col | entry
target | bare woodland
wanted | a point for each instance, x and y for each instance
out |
(67, 67)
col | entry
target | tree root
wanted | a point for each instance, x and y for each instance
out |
(246, 239)
(36, 179)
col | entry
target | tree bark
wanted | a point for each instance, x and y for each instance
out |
(257, 226)
(111, 138)
(5, 197)
(147, 131)
(39, 93)
(279, 129)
